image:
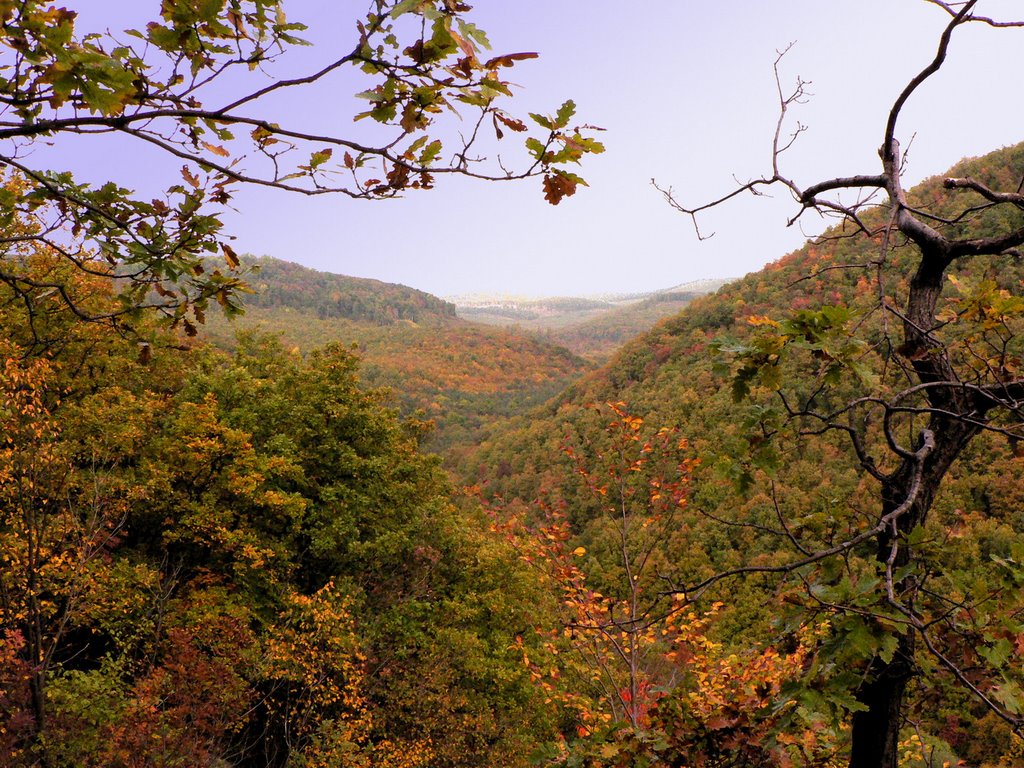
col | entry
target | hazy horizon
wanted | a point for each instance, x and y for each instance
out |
(686, 94)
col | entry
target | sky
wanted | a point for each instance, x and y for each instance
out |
(686, 95)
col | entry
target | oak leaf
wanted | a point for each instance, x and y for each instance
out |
(557, 186)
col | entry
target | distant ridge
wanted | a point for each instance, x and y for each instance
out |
(459, 375)
(701, 286)
(474, 300)
(284, 284)
(591, 326)
(668, 374)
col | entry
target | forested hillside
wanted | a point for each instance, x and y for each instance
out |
(257, 516)
(600, 337)
(456, 374)
(758, 493)
(276, 284)
(246, 558)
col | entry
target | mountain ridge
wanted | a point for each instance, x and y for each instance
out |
(278, 283)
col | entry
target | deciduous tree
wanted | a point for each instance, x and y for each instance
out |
(240, 560)
(911, 381)
(635, 664)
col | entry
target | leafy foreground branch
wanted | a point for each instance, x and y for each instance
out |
(198, 84)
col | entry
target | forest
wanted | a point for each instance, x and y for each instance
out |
(254, 514)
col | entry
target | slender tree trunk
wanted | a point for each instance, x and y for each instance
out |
(876, 732)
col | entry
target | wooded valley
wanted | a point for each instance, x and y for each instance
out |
(255, 514)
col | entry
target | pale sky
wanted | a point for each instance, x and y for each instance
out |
(686, 93)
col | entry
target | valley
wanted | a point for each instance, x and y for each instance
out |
(535, 429)
(591, 327)
(351, 488)
(453, 365)
(259, 515)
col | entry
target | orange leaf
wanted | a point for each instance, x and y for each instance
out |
(216, 149)
(230, 256)
(557, 186)
(508, 60)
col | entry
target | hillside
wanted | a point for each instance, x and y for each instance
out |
(278, 284)
(671, 371)
(456, 374)
(756, 469)
(535, 314)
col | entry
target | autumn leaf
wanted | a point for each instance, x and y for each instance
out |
(565, 113)
(190, 177)
(320, 157)
(216, 149)
(510, 122)
(398, 177)
(508, 60)
(229, 255)
(464, 45)
(558, 186)
(236, 21)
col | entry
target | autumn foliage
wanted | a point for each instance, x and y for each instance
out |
(238, 560)
(638, 667)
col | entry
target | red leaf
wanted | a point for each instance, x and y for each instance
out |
(516, 125)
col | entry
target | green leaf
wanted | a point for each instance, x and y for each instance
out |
(474, 33)
(542, 121)
(565, 113)
(535, 147)
(430, 152)
(495, 85)
(417, 145)
(887, 645)
(997, 654)
(404, 7)
(320, 157)
(475, 97)
(916, 536)
(1009, 695)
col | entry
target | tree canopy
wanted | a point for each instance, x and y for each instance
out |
(247, 559)
(241, 560)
